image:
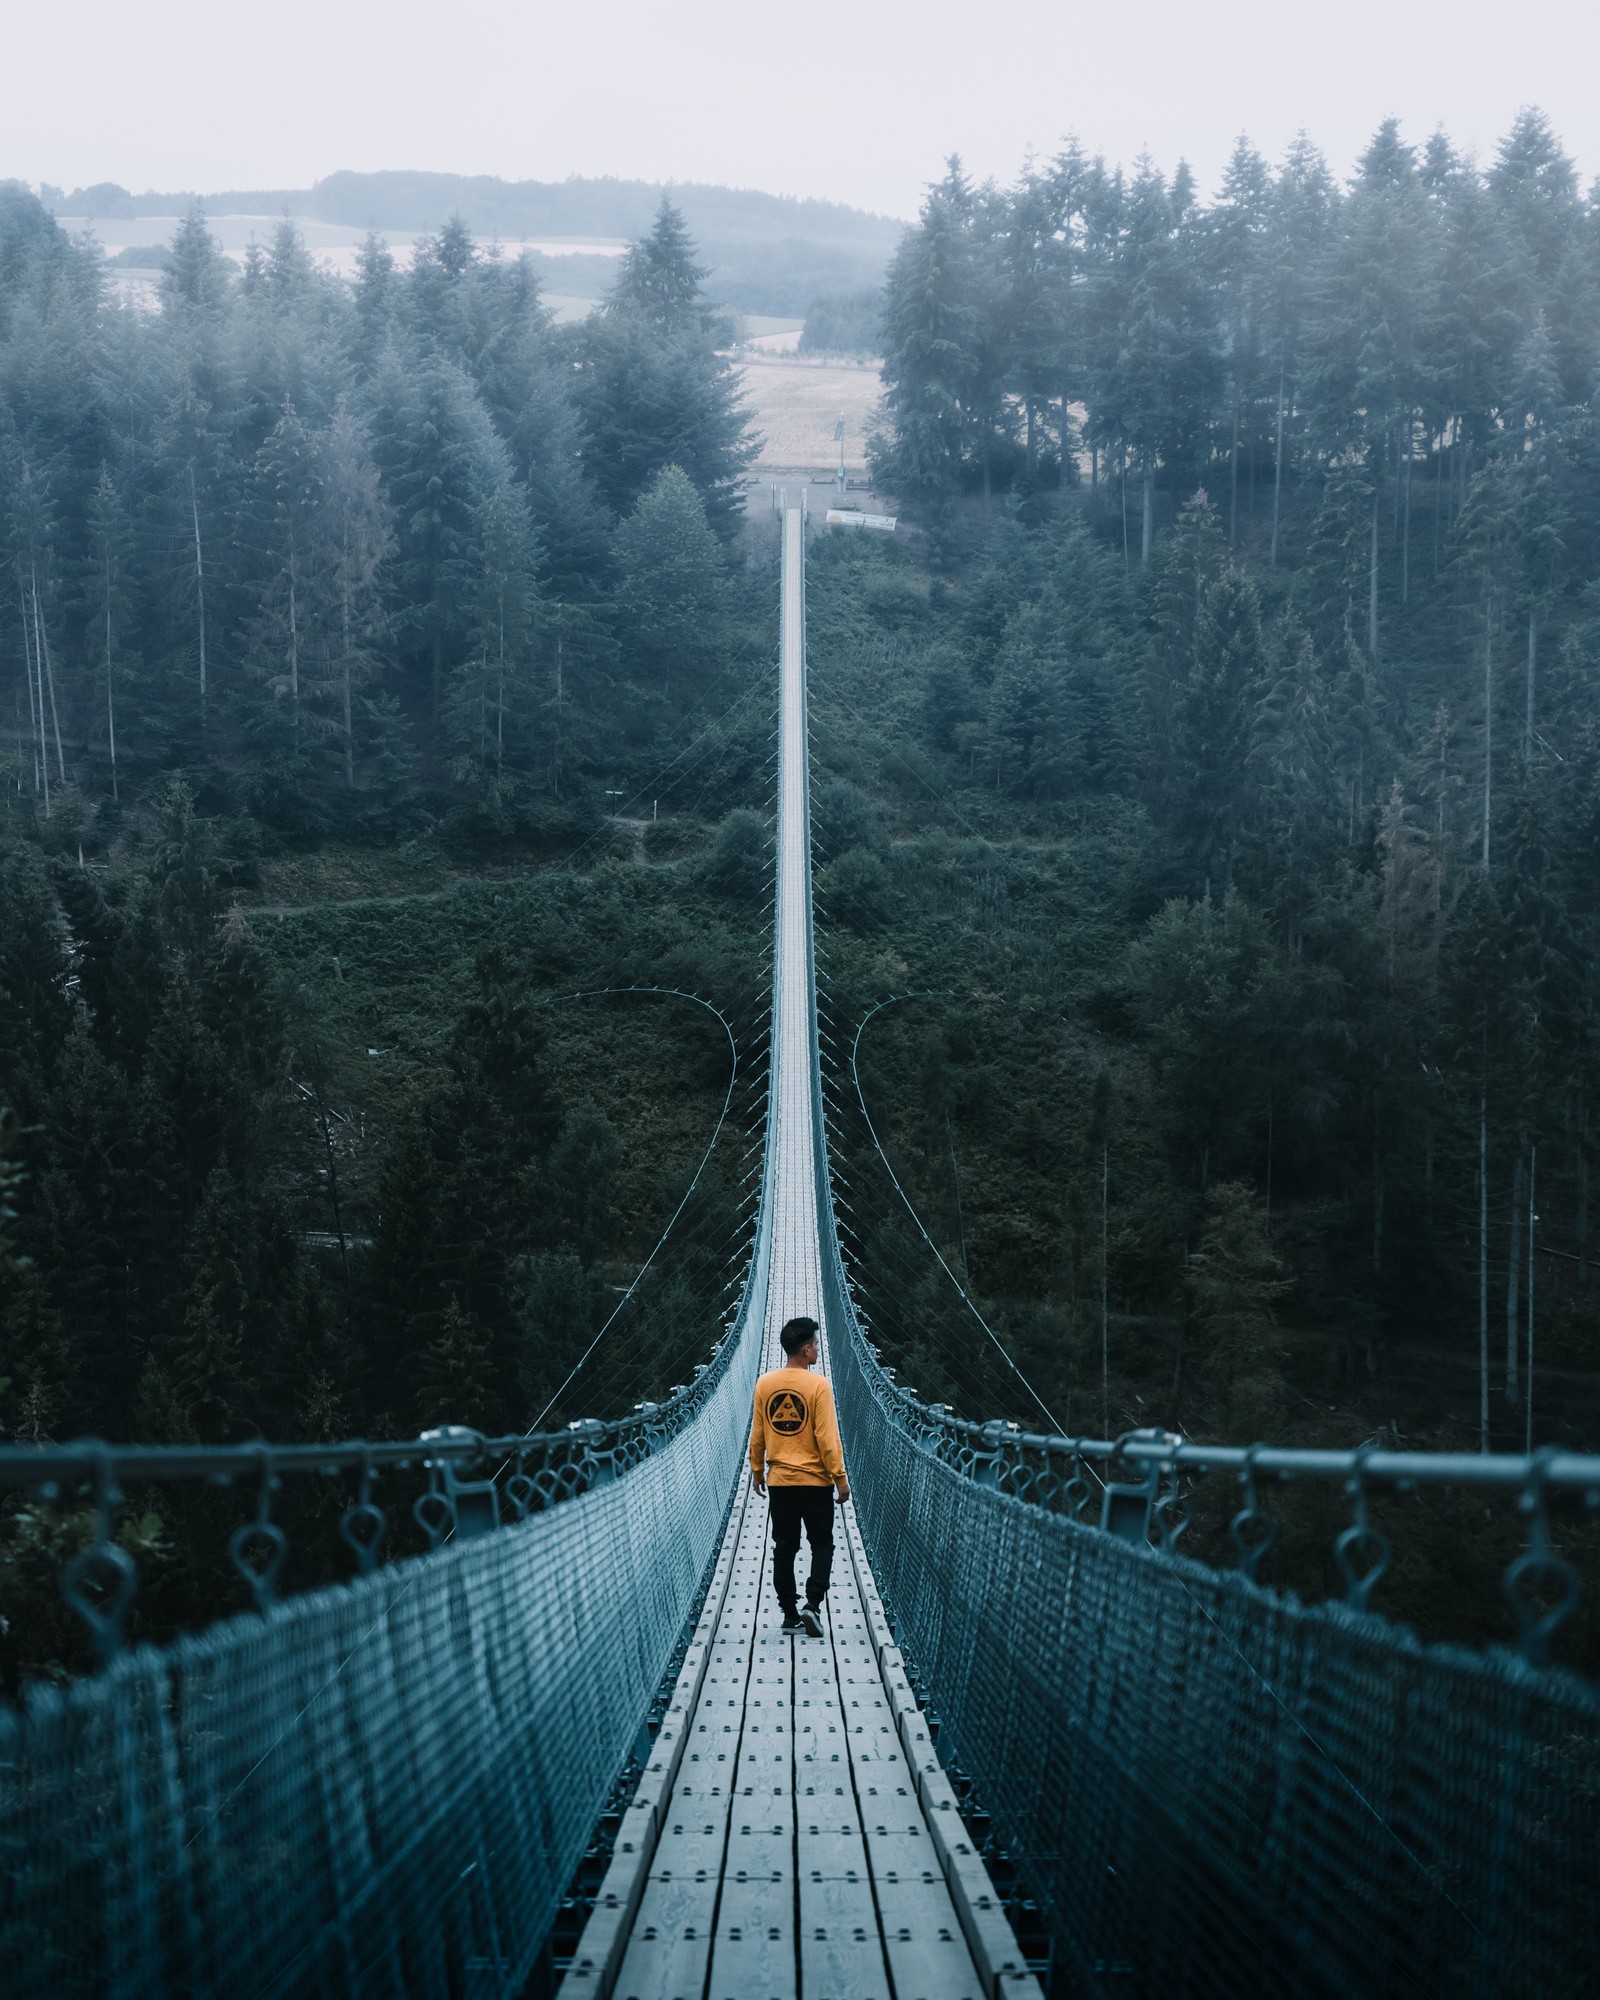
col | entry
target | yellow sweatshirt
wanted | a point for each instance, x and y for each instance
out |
(794, 1440)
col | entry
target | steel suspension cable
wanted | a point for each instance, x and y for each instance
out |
(676, 993)
(989, 1332)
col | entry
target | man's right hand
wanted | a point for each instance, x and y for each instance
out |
(759, 1484)
(843, 1491)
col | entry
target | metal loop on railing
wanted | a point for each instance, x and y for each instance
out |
(262, 1535)
(1539, 1574)
(520, 1491)
(362, 1524)
(1172, 1513)
(100, 1581)
(435, 1511)
(1077, 1492)
(1362, 1551)
(1253, 1529)
(1126, 1503)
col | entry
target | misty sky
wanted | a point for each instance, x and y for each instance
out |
(856, 102)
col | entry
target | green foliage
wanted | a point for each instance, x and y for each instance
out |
(653, 387)
(1234, 1281)
(1226, 798)
(739, 867)
(844, 323)
(673, 593)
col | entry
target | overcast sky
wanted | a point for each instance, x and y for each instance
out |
(858, 102)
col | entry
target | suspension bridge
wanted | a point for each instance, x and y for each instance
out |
(1036, 1742)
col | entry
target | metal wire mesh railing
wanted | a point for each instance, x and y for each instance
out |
(372, 1787)
(1214, 1788)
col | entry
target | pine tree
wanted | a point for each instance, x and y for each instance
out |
(654, 389)
(360, 544)
(673, 589)
(1212, 721)
(658, 282)
(286, 559)
(489, 696)
(107, 603)
(198, 277)
(439, 457)
(932, 327)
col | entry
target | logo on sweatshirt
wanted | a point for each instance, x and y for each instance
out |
(786, 1413)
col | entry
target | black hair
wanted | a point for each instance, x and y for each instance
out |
(795, 1335)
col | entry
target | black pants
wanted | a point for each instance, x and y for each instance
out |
(794, 1507)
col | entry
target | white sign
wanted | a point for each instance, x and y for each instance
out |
(851, 517)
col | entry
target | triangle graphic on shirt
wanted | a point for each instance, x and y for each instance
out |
(786, 1413)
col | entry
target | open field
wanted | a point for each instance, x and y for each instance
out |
(796, 401)
(332, 244)
(796, 404)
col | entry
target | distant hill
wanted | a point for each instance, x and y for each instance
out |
(767, 253)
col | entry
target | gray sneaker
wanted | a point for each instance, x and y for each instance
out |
(793, 1625)
(810, 1620)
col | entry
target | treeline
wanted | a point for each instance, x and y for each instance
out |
(316, 1178)
(766, 253)
(1300, 561)
(1229, 1028)
(1091, 322)
(356, 557)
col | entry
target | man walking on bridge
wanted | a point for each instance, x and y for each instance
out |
(795, 1451)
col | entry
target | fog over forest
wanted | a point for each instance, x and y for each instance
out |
(1217, 736)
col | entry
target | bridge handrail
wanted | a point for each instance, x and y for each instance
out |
(1566, 1471)
(523, 1474)
(34, 1466)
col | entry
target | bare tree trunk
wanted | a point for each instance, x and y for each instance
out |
(1514, 1281)
(200, 589)
(1149, 511)
(500, 699)
(1533, 1219)
(1277, 470)
(1377, 1196)
(555, 765)
(41, 762)
(111, 708)
(1583, 1194)
(1233, 475)
(1483, 1252)
(294, 654)
(348, 672)
(1488, 721)
(1123, 469)
(1372, 574)
(1105, 1292)
(1533, 658)
(41, 642)
(1405, 532)
(1438, 503)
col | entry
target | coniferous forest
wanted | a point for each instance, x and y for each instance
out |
(1212, 754)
